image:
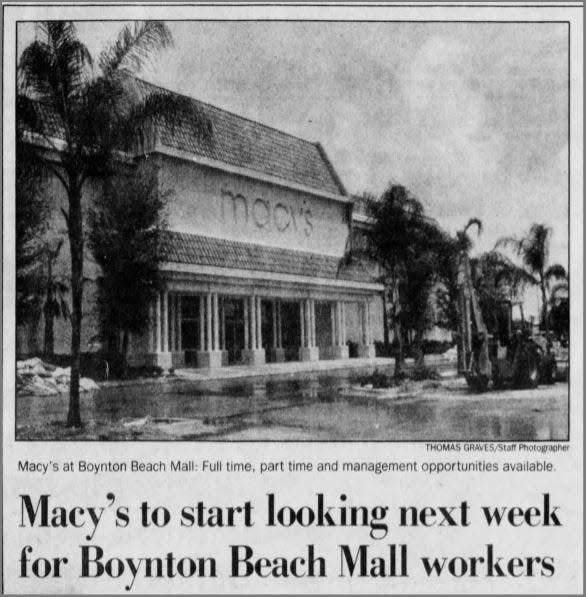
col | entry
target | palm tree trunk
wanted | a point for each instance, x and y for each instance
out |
(75, 230)
(399, 356)
(545, 318)
(397, 328)
(418, 349)
(385, 323)
(48, 312)
(124, 353)
(49, 343)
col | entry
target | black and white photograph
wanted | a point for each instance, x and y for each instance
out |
(292, 298)
(292, 230)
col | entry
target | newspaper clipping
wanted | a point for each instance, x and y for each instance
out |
(292, 298)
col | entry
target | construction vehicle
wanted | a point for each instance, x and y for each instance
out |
(497, 347)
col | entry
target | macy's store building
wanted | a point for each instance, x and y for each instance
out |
(258, 223)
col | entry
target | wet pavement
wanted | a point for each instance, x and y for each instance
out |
(318, 406)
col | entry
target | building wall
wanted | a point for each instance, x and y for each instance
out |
(353, 325)
(30, 338)
(209, 202)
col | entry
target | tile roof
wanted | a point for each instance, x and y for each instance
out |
(245, 143)
(179, 247)
(237, 141)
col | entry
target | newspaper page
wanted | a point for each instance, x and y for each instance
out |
(286, 298)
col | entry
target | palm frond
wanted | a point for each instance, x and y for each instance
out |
(535, 250)
(69, 56)
(35, 76)
(474, 222)
(28, 117)
(58, 33)
(76, 63)
(64, 310)
(54, 70)
(556, 271)
(498, 267)
(162, 110)
(556, 290)
(509, 242)
(135, 46)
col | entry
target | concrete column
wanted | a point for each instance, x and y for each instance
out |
(160, 355)
(343, 305)
(366, 348)
(178, 358)
(314, 325)
(202, 323)
(333, 324)
(302, 320)
(258, 323)
(179, 319)
(158, 323)
(307, 323)
(368, 323)
(254, 354)
(311, 322)
(246, 311)
(309, 352)
(152, 327)
(209, 356)
(253, 341)
(338, 349)
(209, 321)
(215, 322)
(223, 326)
(274, 310)
(279, 325)
(165, 321)
(172, 322)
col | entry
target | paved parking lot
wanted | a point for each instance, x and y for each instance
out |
(318, 405)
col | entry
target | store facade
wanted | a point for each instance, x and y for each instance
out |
(258, 221)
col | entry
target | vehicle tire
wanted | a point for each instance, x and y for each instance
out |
(497, 381)
(477, 383)
(533, 372)
(548, 371)
(528, 372)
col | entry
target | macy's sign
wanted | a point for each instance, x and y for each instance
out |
(265, 214)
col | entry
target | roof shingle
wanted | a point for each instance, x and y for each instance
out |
(179, 247)
(245, 143)
(237, 141)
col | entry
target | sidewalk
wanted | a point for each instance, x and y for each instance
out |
(293, 368)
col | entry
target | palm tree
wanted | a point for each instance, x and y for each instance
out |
(396, 241)
(534, 252)
(31, 222)
(55, 303)
(463, 240)
(559, 310)
(86, 114)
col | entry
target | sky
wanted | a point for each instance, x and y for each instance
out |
(471, 117)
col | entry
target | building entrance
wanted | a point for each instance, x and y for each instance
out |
(234, 326)
(324, 325)
(190, 327)
(291, 329)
